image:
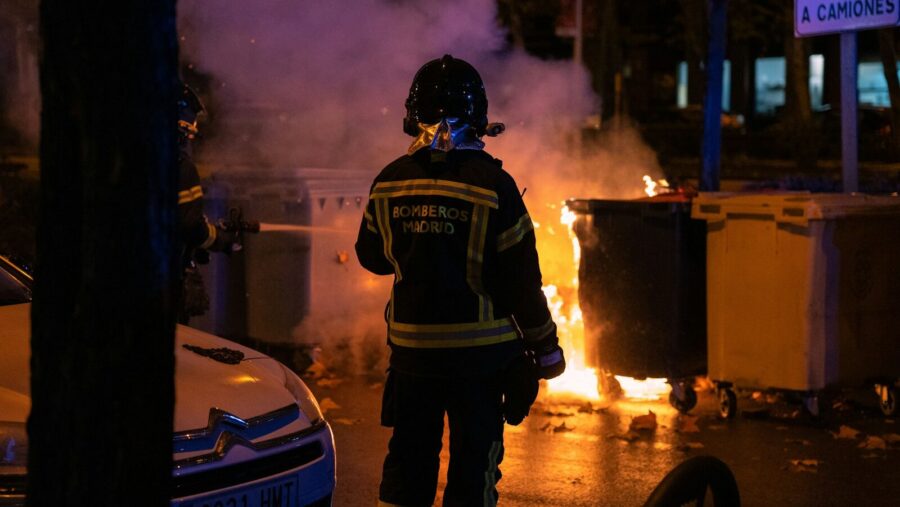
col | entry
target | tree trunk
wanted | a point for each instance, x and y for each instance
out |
(796, 96)
(103, 319)
(695, 30)
(887, 46)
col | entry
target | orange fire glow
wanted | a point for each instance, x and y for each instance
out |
(579, 380)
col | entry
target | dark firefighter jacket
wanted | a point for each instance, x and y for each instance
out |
(194, 231)
(461, 246)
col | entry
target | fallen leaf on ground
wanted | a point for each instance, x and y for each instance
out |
(716, 427)
(551, 428)
(781, 428)
(687, 424)
(628, 436)
(326, 404)
(892, 438)
(804, 465)
(873, 442)
(315, 370)
(757, 396)
(846, 432)
(685, 447)
(661, 446)
(589, 408)
(329, 382)
(841, 406)
(551, 413)
(376, 385)
(643, 422)
(347, 422)
(798, 441)
(873, 455)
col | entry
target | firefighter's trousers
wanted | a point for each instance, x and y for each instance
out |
(415, 407)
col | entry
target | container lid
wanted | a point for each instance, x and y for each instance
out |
(672, 203)
(792, 207)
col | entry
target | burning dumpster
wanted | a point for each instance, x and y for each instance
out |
(803, 293)
(642, 289)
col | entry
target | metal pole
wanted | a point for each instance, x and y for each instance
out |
(849, 143)
(712, 108)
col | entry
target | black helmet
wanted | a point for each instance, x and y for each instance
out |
(189, 108)
(446, 88)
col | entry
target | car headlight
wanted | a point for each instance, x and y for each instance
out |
(302, 394)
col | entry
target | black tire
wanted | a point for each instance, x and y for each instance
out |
(684, 405)
(727, 403)
(687, 484)
(888, 404)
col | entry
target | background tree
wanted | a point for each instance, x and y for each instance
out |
(798, 122)
(102, 322)
(887, 46)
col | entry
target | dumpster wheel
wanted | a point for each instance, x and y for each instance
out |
(887, 399)
(727, 403)
(686, 401)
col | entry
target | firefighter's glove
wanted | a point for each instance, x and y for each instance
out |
(520, 388)
(225, 241)
(548, 356)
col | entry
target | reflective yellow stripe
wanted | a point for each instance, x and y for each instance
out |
(384, 224)
(490, 476)
(370, 222)
(191, 194)
(475, 262)
(444, 188)
(514, 234)
(449, 328)
(540, 332)
(453, 343)
(211, 235)
(470, 334)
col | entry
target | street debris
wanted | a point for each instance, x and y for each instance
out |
(588, 408)
(347, 422)
(552, 413)
(376, 385)
(551, 428)
(628, 436)
(315, 370)
(326, 404)
(892, 438)
(689, 446)
(643, 422)
(804, 465)
(846, 432)
(798, 441)
(329, 382)
(687, 424)
(873, 442)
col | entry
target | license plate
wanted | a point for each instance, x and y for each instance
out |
(281, 492)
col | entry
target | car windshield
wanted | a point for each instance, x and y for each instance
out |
(13, 289)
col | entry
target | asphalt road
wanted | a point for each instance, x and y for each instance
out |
(565, 455)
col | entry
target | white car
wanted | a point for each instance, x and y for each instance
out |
(248, 432)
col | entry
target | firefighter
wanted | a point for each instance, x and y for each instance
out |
(468, 325)
(196, 236)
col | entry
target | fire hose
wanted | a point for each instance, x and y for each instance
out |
(236, 225)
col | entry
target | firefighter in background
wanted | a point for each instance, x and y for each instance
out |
(468, 325)
(196, 236)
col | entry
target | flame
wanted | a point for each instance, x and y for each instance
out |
(648, 389)
(562, 299)
(649, 186)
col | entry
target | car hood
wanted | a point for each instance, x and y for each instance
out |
(254, 386)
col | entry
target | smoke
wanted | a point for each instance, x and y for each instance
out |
(20, 100)
(299, 83)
